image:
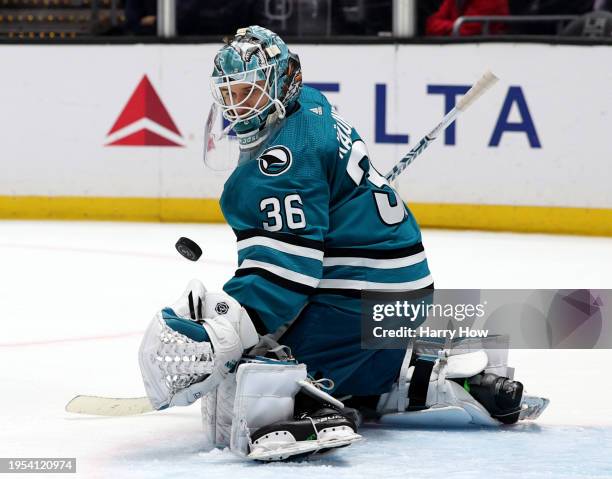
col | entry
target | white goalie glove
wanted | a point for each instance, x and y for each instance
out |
(191, 346)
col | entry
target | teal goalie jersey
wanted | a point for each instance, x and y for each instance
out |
(315, 221)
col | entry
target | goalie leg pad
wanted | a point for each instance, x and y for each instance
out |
(228, 411)
(434, 398)
(218, 412)
(264, 395)
(255, 412)
(464, 386)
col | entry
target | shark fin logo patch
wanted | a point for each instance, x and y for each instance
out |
(275, 160)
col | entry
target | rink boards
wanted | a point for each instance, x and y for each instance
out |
(116, 132)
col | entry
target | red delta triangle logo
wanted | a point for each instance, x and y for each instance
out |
(144, 121)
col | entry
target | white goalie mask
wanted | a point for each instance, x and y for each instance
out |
(245, 100)
(255, 81)
(242, 96)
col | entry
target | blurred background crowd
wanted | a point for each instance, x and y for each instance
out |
(67, 19)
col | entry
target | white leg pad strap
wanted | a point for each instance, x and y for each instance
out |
(313, 391)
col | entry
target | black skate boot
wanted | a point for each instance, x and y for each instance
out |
(315, 428)
(500, 396)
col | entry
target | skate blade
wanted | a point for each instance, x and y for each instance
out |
(532, 407)
(302, 448)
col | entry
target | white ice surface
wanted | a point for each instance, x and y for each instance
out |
(75, 297)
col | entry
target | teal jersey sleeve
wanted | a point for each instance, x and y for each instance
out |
(278, 206)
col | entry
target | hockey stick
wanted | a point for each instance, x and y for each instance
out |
(103, 406)
(487, 80)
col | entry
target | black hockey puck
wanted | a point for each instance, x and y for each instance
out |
(188, 248)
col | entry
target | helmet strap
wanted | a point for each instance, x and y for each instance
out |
(280, 108)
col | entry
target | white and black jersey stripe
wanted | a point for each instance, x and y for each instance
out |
(374, 253)
(284, 243)
(377, 259)
(282, 237)
(380, 259)
(308, 248)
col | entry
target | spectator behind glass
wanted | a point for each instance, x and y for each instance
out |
(563, 7)
(441, 22)
(425, 9)
(212, 17)
(140, 17)
(546, 7)
(362, 17)
(605, 5)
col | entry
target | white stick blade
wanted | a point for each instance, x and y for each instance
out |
(101, 406)
(487, 80)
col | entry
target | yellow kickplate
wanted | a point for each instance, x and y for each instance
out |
(533, 219)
